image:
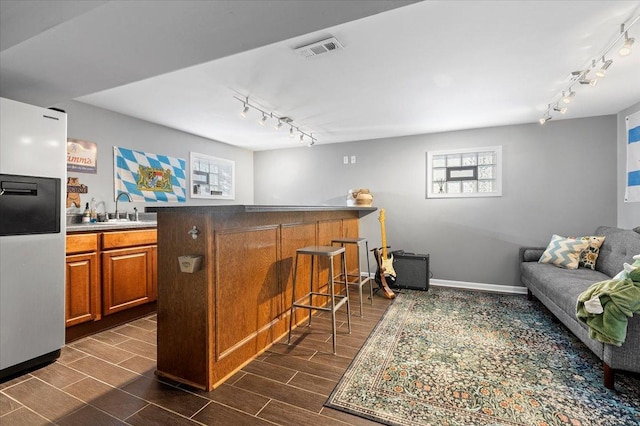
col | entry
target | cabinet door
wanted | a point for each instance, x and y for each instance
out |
(127, 278)
(82, 289)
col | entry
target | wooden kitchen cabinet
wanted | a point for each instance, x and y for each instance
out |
(107, 273)
(128, 269)
(82, 284)
(127, 278)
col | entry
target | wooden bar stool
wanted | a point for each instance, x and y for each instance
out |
(334, 302)
(355, 278)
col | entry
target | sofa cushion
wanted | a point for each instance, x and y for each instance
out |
(563, 286)
(564, 252)
(618, 248)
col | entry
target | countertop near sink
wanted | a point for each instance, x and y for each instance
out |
(111, 226)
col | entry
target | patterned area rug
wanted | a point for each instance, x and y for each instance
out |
(455, 357)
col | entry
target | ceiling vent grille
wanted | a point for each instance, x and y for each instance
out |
(319, 47)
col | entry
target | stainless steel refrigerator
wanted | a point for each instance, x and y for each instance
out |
(32, 235)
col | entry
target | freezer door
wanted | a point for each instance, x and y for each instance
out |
(29, 205)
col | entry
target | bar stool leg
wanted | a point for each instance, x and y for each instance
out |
(293, 299)
(311, 289)
(366, 244)
(346, 289)
(332, 302)
(359, 278)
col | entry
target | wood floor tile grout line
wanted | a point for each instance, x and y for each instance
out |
(316, 360)
(281, 383)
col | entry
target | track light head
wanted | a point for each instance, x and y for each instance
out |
(263, 119)
(545, 119)
(278, 124)
(245, 110)
(291, 131)
(567, 99)
(562, 110)
(603, 70)
(591, 82)
(301, 137)
(625, 50)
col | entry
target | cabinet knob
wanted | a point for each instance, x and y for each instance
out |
(194, 232)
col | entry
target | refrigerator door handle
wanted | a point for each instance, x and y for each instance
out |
(18, 188)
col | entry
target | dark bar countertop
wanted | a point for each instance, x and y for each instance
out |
(250, 208)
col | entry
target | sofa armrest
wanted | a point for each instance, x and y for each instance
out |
(530, 254)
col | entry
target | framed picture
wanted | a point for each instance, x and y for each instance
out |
(212, 177)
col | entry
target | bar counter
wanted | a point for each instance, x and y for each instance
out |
(213, 321)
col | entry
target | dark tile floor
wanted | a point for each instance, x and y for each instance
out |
(108, 379)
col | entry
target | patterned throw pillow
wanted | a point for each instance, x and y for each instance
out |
(589, 255)
(564, 252)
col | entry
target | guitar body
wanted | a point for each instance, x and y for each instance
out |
(382, 279)
(387, 265)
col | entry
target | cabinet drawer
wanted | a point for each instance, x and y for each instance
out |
(112, 240)
(82, 243)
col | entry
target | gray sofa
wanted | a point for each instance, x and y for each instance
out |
(558, 290)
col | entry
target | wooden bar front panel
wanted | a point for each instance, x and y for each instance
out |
(215, 320)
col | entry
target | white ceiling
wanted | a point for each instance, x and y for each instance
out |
(406, 68)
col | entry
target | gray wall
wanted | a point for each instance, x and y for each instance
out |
(628, 213)
(557, 178)
(108, 129)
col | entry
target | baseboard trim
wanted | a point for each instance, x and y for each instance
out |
(480, 286)
(495, 288)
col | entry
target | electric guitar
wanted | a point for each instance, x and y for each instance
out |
(385, 274)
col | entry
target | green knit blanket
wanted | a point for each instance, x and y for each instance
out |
(620, 299)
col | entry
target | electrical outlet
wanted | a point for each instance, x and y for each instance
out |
(353, 159)
(345, 159)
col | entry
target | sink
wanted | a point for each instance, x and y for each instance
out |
(111, 225)
(75, 220)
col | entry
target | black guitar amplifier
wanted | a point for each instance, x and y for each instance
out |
(412, 270)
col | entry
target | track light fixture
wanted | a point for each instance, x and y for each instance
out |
(547, 116)
(281, 120)
(580, 77)
(603, 70)
(567, 99)
(544, 119)
(590, 81)
(245, 110)
(562, 110)
(625, 50)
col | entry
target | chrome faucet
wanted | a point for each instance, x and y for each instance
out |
(118, 197)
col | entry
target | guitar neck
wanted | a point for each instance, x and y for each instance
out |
(383, 234)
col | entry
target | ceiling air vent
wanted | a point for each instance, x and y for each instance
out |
(319, 47)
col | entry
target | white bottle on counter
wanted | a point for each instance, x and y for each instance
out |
(93, 215)
(86, 216)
